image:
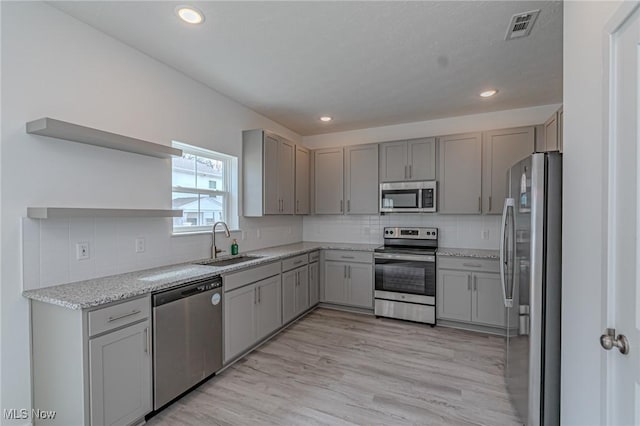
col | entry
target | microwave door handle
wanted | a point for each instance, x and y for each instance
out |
(508, 203)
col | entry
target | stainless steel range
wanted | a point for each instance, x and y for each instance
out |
(406, 275)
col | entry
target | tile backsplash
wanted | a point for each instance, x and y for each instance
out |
(458, 231)
(49, 246)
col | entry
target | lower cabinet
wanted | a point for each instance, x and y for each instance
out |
(348, 283)
(314, 284)
(473, 297)
(120, 375)
(251, 313)
(295, 293)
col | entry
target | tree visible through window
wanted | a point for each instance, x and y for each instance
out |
(200, 180)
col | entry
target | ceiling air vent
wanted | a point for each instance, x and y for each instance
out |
(521, 24)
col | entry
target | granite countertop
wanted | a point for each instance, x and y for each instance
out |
(99, 291)
(476, 253)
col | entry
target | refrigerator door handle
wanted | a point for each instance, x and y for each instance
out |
(509, 203)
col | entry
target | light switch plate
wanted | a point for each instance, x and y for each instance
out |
(82, 250)
(140, 245)
(485, 234)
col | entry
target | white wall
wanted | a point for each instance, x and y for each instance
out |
(440, 127)
(54, 65)
(582, 213)
(462, 231)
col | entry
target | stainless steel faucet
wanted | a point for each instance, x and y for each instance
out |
(214, 249)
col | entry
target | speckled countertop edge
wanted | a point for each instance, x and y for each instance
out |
(475, 253)
(103, 290)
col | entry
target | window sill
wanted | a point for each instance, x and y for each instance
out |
(187, 233)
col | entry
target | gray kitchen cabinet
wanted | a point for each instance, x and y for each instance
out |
(551, 133)
(314, 283)
(460, 174)
(302, 290)
(361, 179)
(454, 295)
(411, 160)
(349, 281)
(268, 306)
(502, 149)
(302, 181)
(360, 285)
(329, 181)
(561, 129)
(120, 375)
(240, 320)
(289, 284)
(268, 167)
(487, 300)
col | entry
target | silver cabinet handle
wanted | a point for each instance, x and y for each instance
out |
(475, 283)
(480, 204)
(146, 340)
(405, 171)
(410, 171)
(348, 206)
(349, 271)
(345, 271)
(472, 265)
(490, 203)
(341, 206)
(297, 262)
(298, 206)
(117, 317)
(469, 283)
(255, 296)
(347, 257)
(259, 294)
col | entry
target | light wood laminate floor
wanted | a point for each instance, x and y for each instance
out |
(339, 368)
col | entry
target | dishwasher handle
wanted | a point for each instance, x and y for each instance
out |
(186, 290)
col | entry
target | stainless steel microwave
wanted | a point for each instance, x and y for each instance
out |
(408, 197)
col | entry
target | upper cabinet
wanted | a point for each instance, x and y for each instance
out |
(560, 129)
(551, 138)
(303, 157)
(411, 160)
(502, 149)
(361, 179)
(268, 167)
(328, 165)
(346, 180)
(460, 172)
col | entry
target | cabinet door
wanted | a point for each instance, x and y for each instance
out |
(120, 375)
(335, 277)
(302, 290)
(461, 174)
(487, 301)
(302, 180)
(421, 159)
(393, 161)
(289, 284)
(286, 176)
(502, 149)
(329, 181)
(271, 175)
(239, 320)
(551, 133)
(361, 179)
(560, 130)
(360, 287)
(314, 281)
(269, 307)
(454, 295)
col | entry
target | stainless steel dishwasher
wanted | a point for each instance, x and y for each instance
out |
(187, 337)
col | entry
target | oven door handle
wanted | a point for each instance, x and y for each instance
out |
(416, 257)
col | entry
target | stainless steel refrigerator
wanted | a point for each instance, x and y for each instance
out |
(531, 258)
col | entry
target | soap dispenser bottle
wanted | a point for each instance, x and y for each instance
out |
(234, 247)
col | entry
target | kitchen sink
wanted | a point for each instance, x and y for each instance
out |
(229, 260)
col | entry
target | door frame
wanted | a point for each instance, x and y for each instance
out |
(608, 316)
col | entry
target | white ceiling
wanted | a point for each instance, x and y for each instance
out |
(364, 63)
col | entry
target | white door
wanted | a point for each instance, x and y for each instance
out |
(622, 372)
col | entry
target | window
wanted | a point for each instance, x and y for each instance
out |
(201, 181)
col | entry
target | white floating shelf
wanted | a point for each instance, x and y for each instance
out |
(51, 212)
(75, 133)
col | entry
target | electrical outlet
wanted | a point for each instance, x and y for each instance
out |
(82, 251)
(485, 234)
(140, 245)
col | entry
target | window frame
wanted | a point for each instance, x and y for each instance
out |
(224, 192)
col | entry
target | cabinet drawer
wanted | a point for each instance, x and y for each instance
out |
(348, 256)
(314, 256)
(295, 262)
(115, 316)
(251, 275)
(468, 264)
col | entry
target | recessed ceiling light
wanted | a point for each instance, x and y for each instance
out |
(488, 93)
(190, 14)
(326, 118)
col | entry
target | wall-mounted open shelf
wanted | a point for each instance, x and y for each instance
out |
(51, 212)
(75, 133)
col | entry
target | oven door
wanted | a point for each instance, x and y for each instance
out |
(393, 199)
(406, 274)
